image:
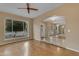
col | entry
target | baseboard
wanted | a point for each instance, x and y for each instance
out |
(12, 41)
(71, 49)
(62, 46)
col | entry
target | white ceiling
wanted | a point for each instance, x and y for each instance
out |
(13, 8)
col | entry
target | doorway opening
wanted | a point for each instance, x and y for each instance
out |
(55, 29)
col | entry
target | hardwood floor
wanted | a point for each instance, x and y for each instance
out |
(34, 48)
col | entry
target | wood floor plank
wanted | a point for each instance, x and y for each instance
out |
(34, 48)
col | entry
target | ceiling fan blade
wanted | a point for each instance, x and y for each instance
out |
(22, 8)
(33, 9)
(28, 8)
(27, 5)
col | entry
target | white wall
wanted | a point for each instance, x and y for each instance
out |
(36, 30)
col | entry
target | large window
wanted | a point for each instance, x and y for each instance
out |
(58, 29)
(15, 29)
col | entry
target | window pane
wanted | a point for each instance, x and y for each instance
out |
(25, 26)
(8, 29)
(17, 26)
(9, 26)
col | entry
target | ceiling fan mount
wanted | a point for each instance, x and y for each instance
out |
(29, 8)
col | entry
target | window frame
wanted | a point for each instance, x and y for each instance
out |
(27, 24)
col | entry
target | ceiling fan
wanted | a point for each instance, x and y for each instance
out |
(29, 8)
